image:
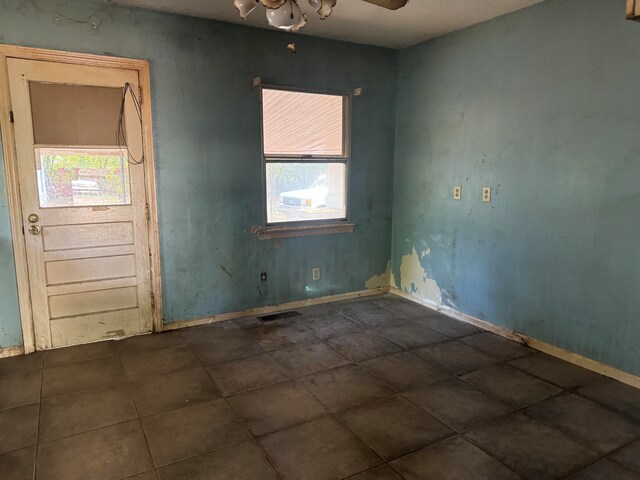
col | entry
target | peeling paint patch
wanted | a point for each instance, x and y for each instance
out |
(414, 279)
(115, 333)
(381, 280)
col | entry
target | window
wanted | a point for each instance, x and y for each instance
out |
(73, 177)
(306, 156)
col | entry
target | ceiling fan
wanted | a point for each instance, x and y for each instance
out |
(287, 14)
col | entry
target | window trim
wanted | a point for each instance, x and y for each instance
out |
(315, 226)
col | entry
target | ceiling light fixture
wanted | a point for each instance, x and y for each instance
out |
(285, 14)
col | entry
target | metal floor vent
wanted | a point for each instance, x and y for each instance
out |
(278, 316)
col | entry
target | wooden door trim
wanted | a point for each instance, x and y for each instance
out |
(13, 186)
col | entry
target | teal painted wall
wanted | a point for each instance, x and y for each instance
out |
(10, 328)
(543, 105)
(207, 146)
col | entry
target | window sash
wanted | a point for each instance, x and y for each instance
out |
(306, 160)
(344, 159)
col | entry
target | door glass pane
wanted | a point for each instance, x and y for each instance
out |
(305, 191)
(297, 123)
(72, 177)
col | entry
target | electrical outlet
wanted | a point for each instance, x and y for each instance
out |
(316, 274)
(263, 276)
(486, 194)
(457, 192)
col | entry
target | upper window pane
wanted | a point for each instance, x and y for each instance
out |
(74, 114)
(297, 123)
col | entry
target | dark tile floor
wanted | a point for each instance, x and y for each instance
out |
(373, 389)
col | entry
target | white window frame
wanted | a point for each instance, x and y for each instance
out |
(345, 159)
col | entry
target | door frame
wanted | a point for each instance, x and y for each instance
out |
(13, 186)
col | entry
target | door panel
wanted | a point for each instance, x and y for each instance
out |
(71, 237)
(85, 328)
(83, 202)
(90, 269)
(73, 304)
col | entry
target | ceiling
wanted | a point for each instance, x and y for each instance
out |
(358, 21)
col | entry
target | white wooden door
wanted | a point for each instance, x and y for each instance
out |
(83, 202)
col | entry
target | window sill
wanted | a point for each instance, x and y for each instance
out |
(272, 233)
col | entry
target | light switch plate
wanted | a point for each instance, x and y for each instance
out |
(486, 194)
(457, 192)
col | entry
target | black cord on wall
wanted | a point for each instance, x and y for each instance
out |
(121, 137)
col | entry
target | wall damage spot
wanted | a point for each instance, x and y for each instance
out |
(114, 333)
(414, 278)
(226, 270)
(392, 280)
(382, 280)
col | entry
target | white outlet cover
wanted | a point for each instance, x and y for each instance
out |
(486, 194)
(457, 192)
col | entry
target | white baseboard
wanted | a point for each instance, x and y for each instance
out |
(374, 292)
(571, 357)
(11, 351)
(220, 317)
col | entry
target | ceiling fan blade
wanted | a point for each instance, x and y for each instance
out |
(390, 4)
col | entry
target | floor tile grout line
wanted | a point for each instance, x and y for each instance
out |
(517, 408)
(202, 454)
(6, 409)
(521, 411)
(344, 424)
(131, 477)
(251, 389)
(613, 460)
(561, 393)
(338, 412)
(239, 418)
(325, 414)
(599, 454)
(387, 464)
(35, 458)
(490, 454)
(7, 452)
(88, 431)
(139, 419)
(85, 390)
(75, 362)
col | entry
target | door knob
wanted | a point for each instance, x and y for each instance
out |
(34, 230)
(33, 218)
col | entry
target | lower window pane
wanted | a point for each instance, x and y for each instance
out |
(71, 177)
(305, 191)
